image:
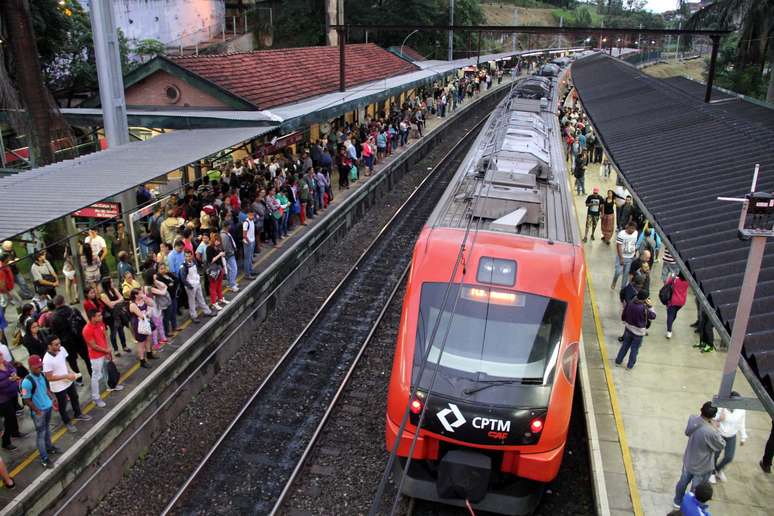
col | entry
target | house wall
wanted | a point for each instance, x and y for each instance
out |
(151, 91)
(167, 20)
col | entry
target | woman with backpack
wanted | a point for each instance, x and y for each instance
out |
(679, 292)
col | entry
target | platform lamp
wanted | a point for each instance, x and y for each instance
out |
(756, 224)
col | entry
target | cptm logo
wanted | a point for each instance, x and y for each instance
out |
(459, 420)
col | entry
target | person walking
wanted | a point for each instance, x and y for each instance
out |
(768, 452)
(579, 171)
(36, 393)
(608, 217)
(248, 242)
(669, 265)
(704, 442)
(593, 206)
(636, 316)
(95, 335)
(626, 247)
(677, 300)
(61, 380)
(731, 422)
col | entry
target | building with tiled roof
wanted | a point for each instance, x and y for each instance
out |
(256, 80)
(407, 53)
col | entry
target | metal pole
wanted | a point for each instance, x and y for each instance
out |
(342, 74)
(134, 245)
(72, 230)
(451, 32)
(111, 85)
(478, 52)
(515, 20)
(711, 73)
(751, 271)
(2, 150)
(233, 23)
(677, 48)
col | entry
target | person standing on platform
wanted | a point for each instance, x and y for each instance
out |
(626, 247)
(593, 205)
(704, 442)
(36, 394)
(626, 212)
(248, 242)
(677, 300)
(635, 316)
(730, 423)
(695, 504)
(669, 265)
(61, 379)
(768, 452)
(579, 171)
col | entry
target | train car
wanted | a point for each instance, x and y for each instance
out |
(489, 334)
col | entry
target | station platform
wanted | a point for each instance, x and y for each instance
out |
(24, 462)
(640, 415)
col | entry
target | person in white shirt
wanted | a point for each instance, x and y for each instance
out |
(626, 248)
(191, 280)
(97, 243)
(60, 379)
(730, 423)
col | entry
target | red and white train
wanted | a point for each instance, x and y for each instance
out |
(490, 329)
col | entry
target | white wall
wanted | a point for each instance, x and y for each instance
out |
(167, 20)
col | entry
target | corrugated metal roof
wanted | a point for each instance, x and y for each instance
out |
(679, 154)
(48, 193)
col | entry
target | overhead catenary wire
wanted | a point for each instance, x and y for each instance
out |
(460, 260)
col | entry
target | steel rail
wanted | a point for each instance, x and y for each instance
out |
(317, 316)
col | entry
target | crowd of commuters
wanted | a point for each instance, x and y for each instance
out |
(714, 433)
(194, 245)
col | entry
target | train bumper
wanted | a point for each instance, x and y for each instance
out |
(519, 497)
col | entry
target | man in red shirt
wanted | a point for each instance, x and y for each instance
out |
(99, 353)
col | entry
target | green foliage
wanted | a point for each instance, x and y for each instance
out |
(745, 79)
(148, 48)
(538, 4)
(580, 17)
(300, 23)
(64, 39)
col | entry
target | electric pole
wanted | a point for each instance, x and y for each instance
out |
(451, 32)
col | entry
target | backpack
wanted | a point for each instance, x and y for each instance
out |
(77, 322)
(665, 294)
(34, 384)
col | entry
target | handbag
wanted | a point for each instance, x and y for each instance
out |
(353, 173)
(112, 374)
(665, 293)
(144, 326)
(214, 270)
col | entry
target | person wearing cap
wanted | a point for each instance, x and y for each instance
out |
(636, 316)
(704, 442)
(593, 205)
(37, 396)
(18, 278)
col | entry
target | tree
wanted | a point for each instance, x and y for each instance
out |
(70, 67)
(756, 34)
(28, 78)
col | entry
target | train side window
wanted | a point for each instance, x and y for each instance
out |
(496, 271)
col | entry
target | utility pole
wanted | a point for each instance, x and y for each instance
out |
(451, 32)
(756, 224)
(109, 73)
(515, 23)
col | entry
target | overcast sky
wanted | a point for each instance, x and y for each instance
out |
(659, 6)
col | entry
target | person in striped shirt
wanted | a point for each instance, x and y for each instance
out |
(669, 267)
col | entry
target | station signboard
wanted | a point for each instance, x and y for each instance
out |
(100, 210)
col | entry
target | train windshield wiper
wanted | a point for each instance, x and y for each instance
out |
(488, 384)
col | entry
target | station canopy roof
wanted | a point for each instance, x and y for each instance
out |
(40, 195)
(679, 155)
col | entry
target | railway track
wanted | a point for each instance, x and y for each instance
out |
(252, 466)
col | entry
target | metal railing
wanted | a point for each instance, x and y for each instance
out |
(214, 38)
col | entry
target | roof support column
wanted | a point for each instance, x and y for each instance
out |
(342, 64)
(478, 52)
(713, 61)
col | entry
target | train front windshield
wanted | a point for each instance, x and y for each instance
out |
(487, 335)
